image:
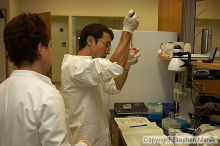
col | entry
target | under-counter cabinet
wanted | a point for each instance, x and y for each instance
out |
(208, 85)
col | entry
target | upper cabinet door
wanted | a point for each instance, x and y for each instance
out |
(170, 15)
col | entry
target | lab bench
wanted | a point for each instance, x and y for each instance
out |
(116, 135)
(132, 136)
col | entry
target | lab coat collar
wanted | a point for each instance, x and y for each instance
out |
(89, 57)
(33, 74)
(69, 55)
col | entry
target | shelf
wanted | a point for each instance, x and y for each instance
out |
(211, 66)
(208, 86)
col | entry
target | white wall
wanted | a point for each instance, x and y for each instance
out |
(208, 9)
(4, 4)
(207, 16)
(147, 10)
(2, 52)
(58, 37)
(10, 6)
(214, 24)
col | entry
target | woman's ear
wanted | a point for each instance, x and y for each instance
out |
(89, 40)
(40, 50)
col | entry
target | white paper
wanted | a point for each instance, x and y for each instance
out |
(132, 121)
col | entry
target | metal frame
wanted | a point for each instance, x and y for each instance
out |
(189, 14)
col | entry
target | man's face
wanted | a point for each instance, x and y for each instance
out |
(102, 48)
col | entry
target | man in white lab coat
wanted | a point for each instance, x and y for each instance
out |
(85, 79)
(32, 110)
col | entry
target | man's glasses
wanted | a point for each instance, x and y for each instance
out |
(107, 45)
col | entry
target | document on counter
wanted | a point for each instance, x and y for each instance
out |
(134, 128)
(132, 122)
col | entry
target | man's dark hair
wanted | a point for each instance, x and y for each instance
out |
(95, 30)
(22, 36)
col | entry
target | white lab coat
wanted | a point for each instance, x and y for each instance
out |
(83, 82)
(32, 111)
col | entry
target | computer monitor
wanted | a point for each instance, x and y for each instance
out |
(211, 56)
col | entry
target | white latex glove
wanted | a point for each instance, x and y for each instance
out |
(133, 55)
(131, 22)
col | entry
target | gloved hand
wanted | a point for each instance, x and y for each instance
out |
(131, 22)
(133, 55)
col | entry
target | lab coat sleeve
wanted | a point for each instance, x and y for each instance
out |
(110, 88)
(53, 129)
(92, 72)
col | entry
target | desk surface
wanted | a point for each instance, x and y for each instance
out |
(210, 66)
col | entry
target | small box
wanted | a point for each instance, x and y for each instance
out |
(154, 117)
(155, 111)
